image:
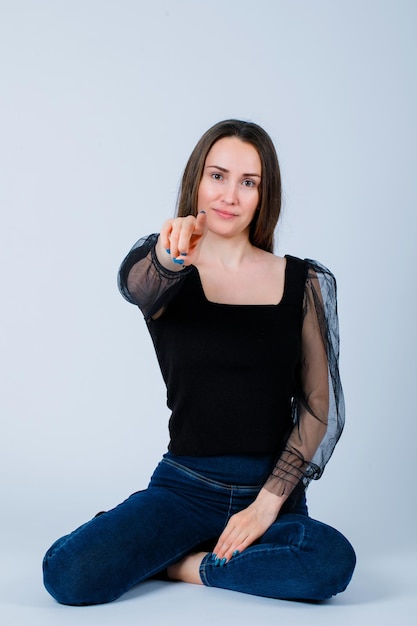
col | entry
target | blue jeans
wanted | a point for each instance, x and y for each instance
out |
(185, 508)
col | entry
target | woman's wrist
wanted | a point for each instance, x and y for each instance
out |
(269, 501)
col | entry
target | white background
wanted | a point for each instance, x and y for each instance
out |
(101, 102)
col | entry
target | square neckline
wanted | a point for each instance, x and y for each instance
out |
(226, 304)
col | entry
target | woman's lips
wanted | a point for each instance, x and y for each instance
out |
(226, 215)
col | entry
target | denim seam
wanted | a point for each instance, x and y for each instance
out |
(202, 571)
(209, 481)
(230, 505)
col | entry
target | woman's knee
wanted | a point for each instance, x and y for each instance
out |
(73, 576)
(56, 570)
(347, 562)
(335, 564)
(328, 557)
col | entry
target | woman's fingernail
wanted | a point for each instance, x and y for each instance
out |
(214, 555)
(183, 254)
(217, 561)
(202, 212)
(223, 562)
(167, 250)
(235, 553)
(179, 261)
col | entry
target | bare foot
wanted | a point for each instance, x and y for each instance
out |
(188, 569)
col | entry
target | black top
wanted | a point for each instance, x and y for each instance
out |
(229, 368)
(245, 379)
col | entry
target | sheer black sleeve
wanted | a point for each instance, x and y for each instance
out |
(318, 408)
(143, 281)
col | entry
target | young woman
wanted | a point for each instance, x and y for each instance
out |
(247, 343)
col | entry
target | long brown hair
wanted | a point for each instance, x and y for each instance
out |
(263, 225)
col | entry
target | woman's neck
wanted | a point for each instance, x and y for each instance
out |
(228, 253)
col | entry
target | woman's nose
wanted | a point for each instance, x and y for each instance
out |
(229, 195)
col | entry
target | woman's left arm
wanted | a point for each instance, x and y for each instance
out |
(318, 416)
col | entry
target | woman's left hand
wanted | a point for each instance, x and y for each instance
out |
(248, 525)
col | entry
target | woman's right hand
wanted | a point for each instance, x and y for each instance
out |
(179, 240)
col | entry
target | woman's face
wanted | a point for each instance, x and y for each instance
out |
(229, 187)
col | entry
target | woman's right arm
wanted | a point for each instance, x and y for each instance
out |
(151, 273)
(145, 281)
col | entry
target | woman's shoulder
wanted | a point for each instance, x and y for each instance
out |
(313, 266)
(269, 259)
(318, 278)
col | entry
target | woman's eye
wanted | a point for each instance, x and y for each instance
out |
(248, 183)
(216, 176)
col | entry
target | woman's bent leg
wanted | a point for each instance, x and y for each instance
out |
(297, 559)
(108, 555)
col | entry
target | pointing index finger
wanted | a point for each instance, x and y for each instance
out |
(201, 222)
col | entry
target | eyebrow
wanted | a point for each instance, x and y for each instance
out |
(223, 169)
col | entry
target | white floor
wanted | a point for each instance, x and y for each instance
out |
(383, 591)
